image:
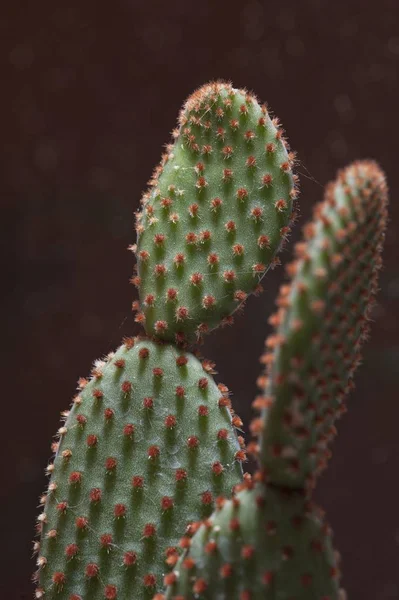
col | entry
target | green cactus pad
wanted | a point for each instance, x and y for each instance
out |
(147, 446)
(217, 212)
(322, 321)
(263, 544)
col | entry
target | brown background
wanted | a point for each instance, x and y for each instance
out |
(89, 94)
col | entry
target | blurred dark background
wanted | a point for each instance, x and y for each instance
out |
(89, 94)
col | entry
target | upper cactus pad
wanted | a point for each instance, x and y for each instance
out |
(263, 544)
(321, 323)
(147, 446)
(217, 211)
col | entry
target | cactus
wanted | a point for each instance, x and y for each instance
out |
(150, 448)
(217, 211)
(267, 542)
(145, 449)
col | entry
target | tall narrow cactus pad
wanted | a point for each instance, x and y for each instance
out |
(216, 213)
(263, 544)
(147, 446)
(322, 320)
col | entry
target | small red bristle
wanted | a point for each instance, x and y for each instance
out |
(149, 580)
(180, 391)
(153, 452)
(157, 372)
(247, 552)
(92, 570)
(110, 463)
(200, 586)
(210, 547)
(201, 183)
(192, 441)
(227, 175)
(182, 313)
(207, 498)
(71, 550)
(95, 495)
(227, 151)
(160, 326)
(59, 578)
(75, 477)
(148, 402)
(170, 421)
(91, 440)
(213, 259)
(230, 226)
(110, 592)
(217, 468)
(160, 270)
(193, 210)
(191, 238)
(137, 482)
(180, 474)
(249, 136)
(196, 278)
(129, 558)
(226, 570)
(167, 502)
(106, 541)
(144, 353)
(216, 203)
(281, 205)
(222, 434)
(238, 249)
(62, 506)
(149, 530)
(81, 522)
(203, 383)
(242, 193)
(236, 421)
(229, 275)
(169, 579)
(108, 414)
(181, 361)
(205, 235)
(263, 241)
(234, 524)
(159, 239)
(81, 419)
(257, 213)
(119, 510)
(179, 258)
(128, 430)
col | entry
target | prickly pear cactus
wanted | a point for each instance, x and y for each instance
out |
(322, 321)
(147, 446)
(263, 544)
(217, 212)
